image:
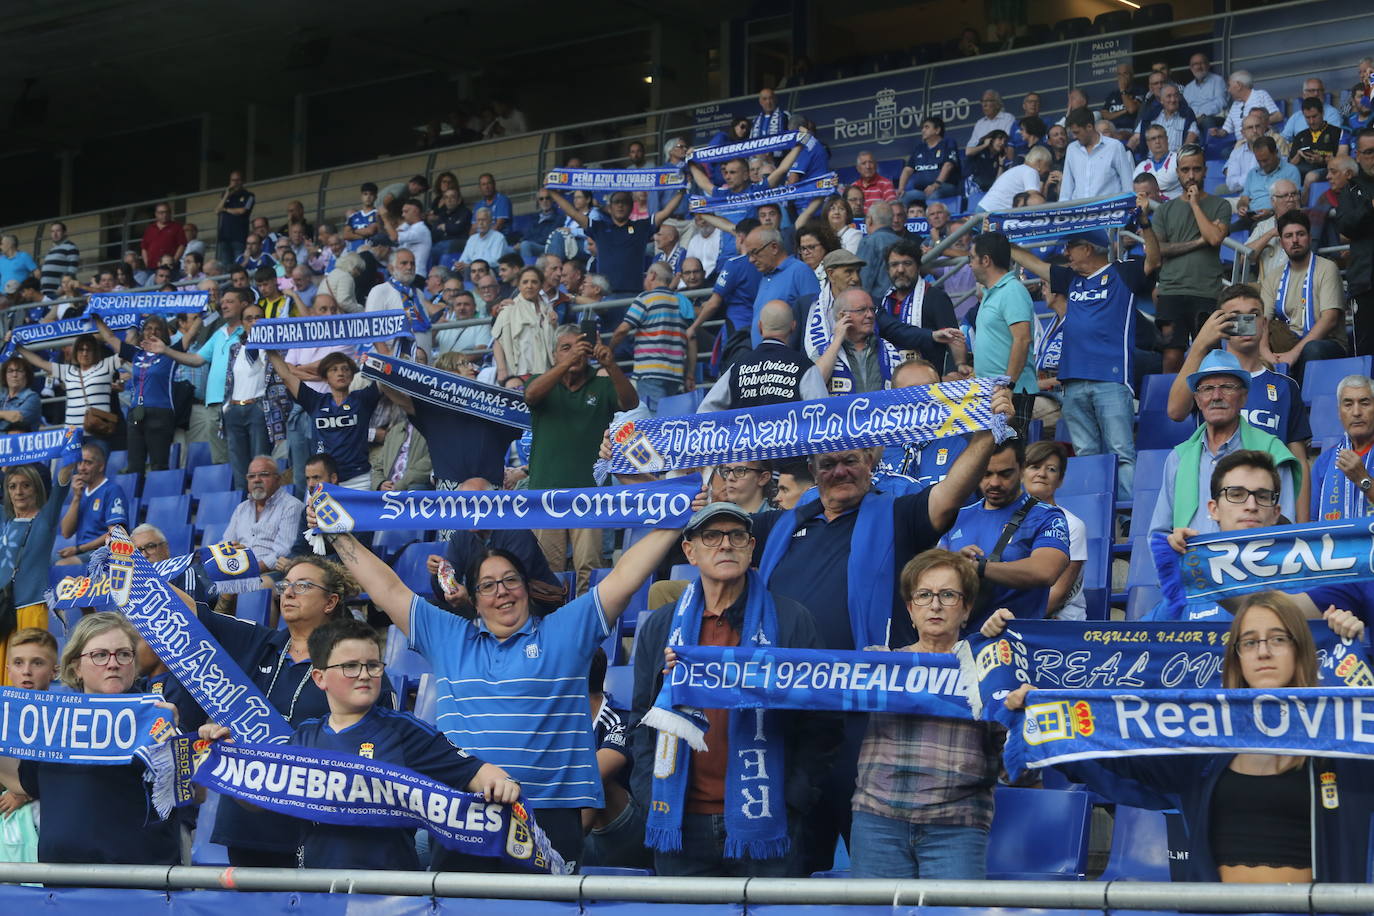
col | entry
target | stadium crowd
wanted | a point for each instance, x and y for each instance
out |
(520, 630)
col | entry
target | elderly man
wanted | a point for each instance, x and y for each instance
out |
(462, 306)
(1172, 115)
(400, 292)
(1354, 219)
(994, 118)
(1263, 240)
(1312, 88)
(1159, 163)
(485, 244)
(1245, 97)
(1341, 483)
(150, 541)
(668, 251)
(1028, 176)
(735, 173)
(1205, 93)
(1241, 160)
(411, 233)
(779, 277)
(771, 373)
(1304, 300)
(1219, 389)
(876, 187)
(268, 521)
(664, 356)
(873, 248)
(718, 542)
(1255, 204)
(705, 244)
(771, 119)
(620, 240)
(97, 504)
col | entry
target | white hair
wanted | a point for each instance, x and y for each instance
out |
(1243, 77)
(1355, 381)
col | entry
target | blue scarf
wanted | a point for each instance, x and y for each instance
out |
(174, 633)
(1338, 497)
(608, 180)
(1050, 346)
(746, 148)
(755, 814)
(63, 444)
(319, 330)
(895, 417)
(180, 302)
(811, 186)
(1036, 224)
(51, 334)
(871, 568)
(449, 391)
(766, 125)
(1309, 302)
(410, 304)
(354, 791)
(1290, 558)
(919, 226)
(1059, 726)
(659, 504)
(222, 563)
(57, 727)
(1124, 655)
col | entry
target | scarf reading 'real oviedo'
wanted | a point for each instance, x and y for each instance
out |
(1055, 222)
(901, 416)
(355, 791)
(109, 729)
(318, 330)
(449, 391)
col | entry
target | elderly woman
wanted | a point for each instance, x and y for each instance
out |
(26, 541)
(97, 812)
(923, 800)
(20, 407)
(341, 282)
(1254, 818)
(152, 418)
(523, 333)
(513, 686)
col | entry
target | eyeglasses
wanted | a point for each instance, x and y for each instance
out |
(297, 587)
(511, 583)
(1285, 195)
(1238, 495)
(712, 537)
(737, 473)
(1225, 388)
(144, 549)
(102, 656)
(755, 252)
(353, 670)
(1279, 642)
(948, 597)
(866, 310)
(810, 246)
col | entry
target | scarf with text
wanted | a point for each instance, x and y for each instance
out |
(180, 302)
(342, 789)
(411, 305)
(608, 180)
(1338, 496)
(55, 727)
(1309, 302)
(449, 391)
(894, 417)
(918, 226)
(658, 504)
(1124, 656)
(1290, 558)
(319, 330)
(820, 330)
(1059, 726)
(51, 334)
(223, 563)
(743, 149)
(767, 123)
(1039, 223)
(1050, 345)
(755, 818)
(809, 187)
(41, 447)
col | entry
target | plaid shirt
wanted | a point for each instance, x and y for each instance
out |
(276, 405)
(929, 770)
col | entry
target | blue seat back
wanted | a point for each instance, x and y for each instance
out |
(1038, 835)
(163, 483)
(1325, 416)
(203, 852)
(1089, 474)
(117, 463)
(129, 484)
(426, 699)
(620, 684)
(169, 510)
(676, 405)
(216, 507)
(212, 478)
(1140, 846)
(255, 606)
(197, 454)
(410, 565)
(387, 544)
(1320, 376)
(1156, 430)
(178, 538)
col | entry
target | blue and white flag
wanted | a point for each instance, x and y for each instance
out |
(919, 226)
(63, 443)
(712, 677)
(900, 416)
(746, 148)
(660, 504)
(316, 785)
(1125, 656)
(320, 330)
(58, 333)
(80, 727)
(222, 562)
(608, 180)
(1035, 224)
(1290, 558)
(153, 302)
(1059, 726)
(811, 186)
(449, 391)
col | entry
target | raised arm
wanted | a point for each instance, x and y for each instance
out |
(950, 494)
(288, 376)
(1030, 262)
(625, 393)
(400, 399)
(702, 177)
(636, 564)
(383, 586)
(666, 211)
(192, 359)
(572, 212)
(32, 358)
(103, 331)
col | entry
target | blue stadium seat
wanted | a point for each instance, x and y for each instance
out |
(1155, 430)
(212, 478)
(1097, 514)
(676, 405)
(169, 510)
(178, 538)
(396, 643)
(620, 684)
(386, 544)
(216, 507)
(1140, 846)
(405, 673)
(212, 533)
(174, 455)
(426, 699)
(1038, 835)
(129, 483)
(1216, 175)
(1089, 474)
(1326, 421)
(410, 565)
(1149, 469)
(1315, 192)
(1321, 376)
(163, 483)
(197, 454)
(117, 463)
(203, 852)
(255, 606)
(683, 572)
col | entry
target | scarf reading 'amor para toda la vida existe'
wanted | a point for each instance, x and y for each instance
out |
(317, 330)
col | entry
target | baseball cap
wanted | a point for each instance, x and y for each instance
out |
(715, 510)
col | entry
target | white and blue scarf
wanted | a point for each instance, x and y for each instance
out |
(767, 125)
(319, 330)
(609, 180)
(58, 333)
(820, 330)
(330, 788)
(59, 727)
(1309, 301)
(222, 563)
(809, 187)
(658, 504)
(1338, 496)
(41, 447)
(449, 391)
(1290, 558)
(918, 226)
(895, 417)
(1050, 345)
(755, 816)
(743, 149)
(181, 302)
(411, 305)
(1057, 221)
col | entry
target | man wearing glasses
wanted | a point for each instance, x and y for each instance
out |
(781, 278)
(1219, 390)
(268, 521)
(150, 541)
(1255, 204)
(1354, 219)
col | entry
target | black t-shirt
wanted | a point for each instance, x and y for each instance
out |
(463, 446)
(98, 813)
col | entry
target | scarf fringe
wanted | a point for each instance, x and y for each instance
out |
(678, 724)
(663, 839)
(161, 772)
(775, 848)
(968, 673)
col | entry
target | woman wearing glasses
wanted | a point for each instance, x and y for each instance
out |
(1261, 818)
(512, 685)
(313, 591)
(97, 812)
(923, 799)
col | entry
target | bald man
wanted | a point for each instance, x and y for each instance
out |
(772, 372)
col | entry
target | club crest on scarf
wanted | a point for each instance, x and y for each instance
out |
(121, 565)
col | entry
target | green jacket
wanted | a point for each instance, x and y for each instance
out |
(1190, 464)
